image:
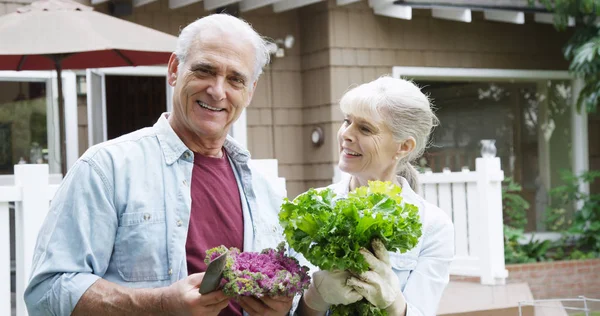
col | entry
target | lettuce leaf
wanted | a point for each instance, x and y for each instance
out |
(329, 232)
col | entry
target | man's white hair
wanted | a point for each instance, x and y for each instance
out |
(402, 107)
(226, 24)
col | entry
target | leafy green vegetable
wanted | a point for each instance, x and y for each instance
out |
(329, 232)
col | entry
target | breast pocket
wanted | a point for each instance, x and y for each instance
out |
(403, 265)
(141, 247)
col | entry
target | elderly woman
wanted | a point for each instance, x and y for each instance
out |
(386, 127)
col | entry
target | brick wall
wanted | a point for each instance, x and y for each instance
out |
(551, 280)
(561, 279)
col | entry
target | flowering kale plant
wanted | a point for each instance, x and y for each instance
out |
(329, 232)
(268, 273)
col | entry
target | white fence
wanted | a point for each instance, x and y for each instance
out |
(473, 199)
(31, 194)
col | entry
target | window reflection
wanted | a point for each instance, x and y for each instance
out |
(23, 124)
(530, 122)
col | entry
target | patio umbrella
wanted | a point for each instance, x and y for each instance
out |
(64, 34)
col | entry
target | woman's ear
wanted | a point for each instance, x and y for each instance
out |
(406, 147)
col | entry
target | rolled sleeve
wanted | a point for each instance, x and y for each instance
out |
(75, 242)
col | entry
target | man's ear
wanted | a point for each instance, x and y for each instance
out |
(406, 147)
(172, 70)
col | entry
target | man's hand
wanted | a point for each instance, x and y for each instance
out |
(330, 288)
(267, 306)
(380, 285)
(183, 298)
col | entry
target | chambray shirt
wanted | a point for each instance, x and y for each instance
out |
(122, 214)
(424, 271)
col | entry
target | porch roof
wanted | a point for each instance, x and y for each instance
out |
(508, 11)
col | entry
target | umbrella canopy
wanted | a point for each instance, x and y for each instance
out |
(84, 38)
(64, 34)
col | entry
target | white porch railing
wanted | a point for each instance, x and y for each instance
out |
(31, 194)
(473, 200)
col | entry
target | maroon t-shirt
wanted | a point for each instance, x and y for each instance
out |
(216, 217)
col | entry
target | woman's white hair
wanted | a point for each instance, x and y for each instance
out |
(402, 107)
(227, 24)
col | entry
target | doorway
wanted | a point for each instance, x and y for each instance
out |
(133, 102)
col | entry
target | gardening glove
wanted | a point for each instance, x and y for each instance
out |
(329, 288)
(380, 285)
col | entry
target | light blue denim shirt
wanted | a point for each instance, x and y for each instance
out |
(424, 271)
(122, 214)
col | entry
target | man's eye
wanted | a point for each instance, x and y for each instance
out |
(347, 121)
(365, 129)
(238, 81)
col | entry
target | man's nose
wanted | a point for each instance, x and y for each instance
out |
(217, 89)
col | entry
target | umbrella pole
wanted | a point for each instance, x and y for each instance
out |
(61, 116)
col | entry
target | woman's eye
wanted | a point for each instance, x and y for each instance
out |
(365, 130)
(347, 121)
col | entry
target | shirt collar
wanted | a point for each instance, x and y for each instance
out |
(173, 147)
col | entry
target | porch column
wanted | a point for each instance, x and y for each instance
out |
(579, 124)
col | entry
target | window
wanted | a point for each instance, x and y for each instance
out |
(530, 121)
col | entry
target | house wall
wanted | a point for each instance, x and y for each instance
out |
(362, 46)
(338, 46)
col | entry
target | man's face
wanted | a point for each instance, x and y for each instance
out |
(213, 86)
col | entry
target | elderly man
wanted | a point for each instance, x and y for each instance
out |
(129, 227)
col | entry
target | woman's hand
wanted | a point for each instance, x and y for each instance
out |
(330, 288)
(380, 285)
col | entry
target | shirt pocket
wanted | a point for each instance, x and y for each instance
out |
(402, 265)
(141, 247)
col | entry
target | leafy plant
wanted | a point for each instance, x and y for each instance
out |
(329, 232)
(586, 222)
(583, 48)
(514, 206)
(516, 252)
(269, 272)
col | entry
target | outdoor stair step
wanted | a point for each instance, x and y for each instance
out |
(475, 299)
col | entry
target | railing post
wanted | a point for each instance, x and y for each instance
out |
(489, 189)
(4, 259)
(29, 216)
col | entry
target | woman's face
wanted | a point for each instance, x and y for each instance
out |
(367, 149)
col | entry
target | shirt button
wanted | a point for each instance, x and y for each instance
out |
(185, 182)
(170, 271)
(179, 223)
(186, 155)
(147, 216)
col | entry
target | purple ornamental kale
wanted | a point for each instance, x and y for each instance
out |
(268, 273)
